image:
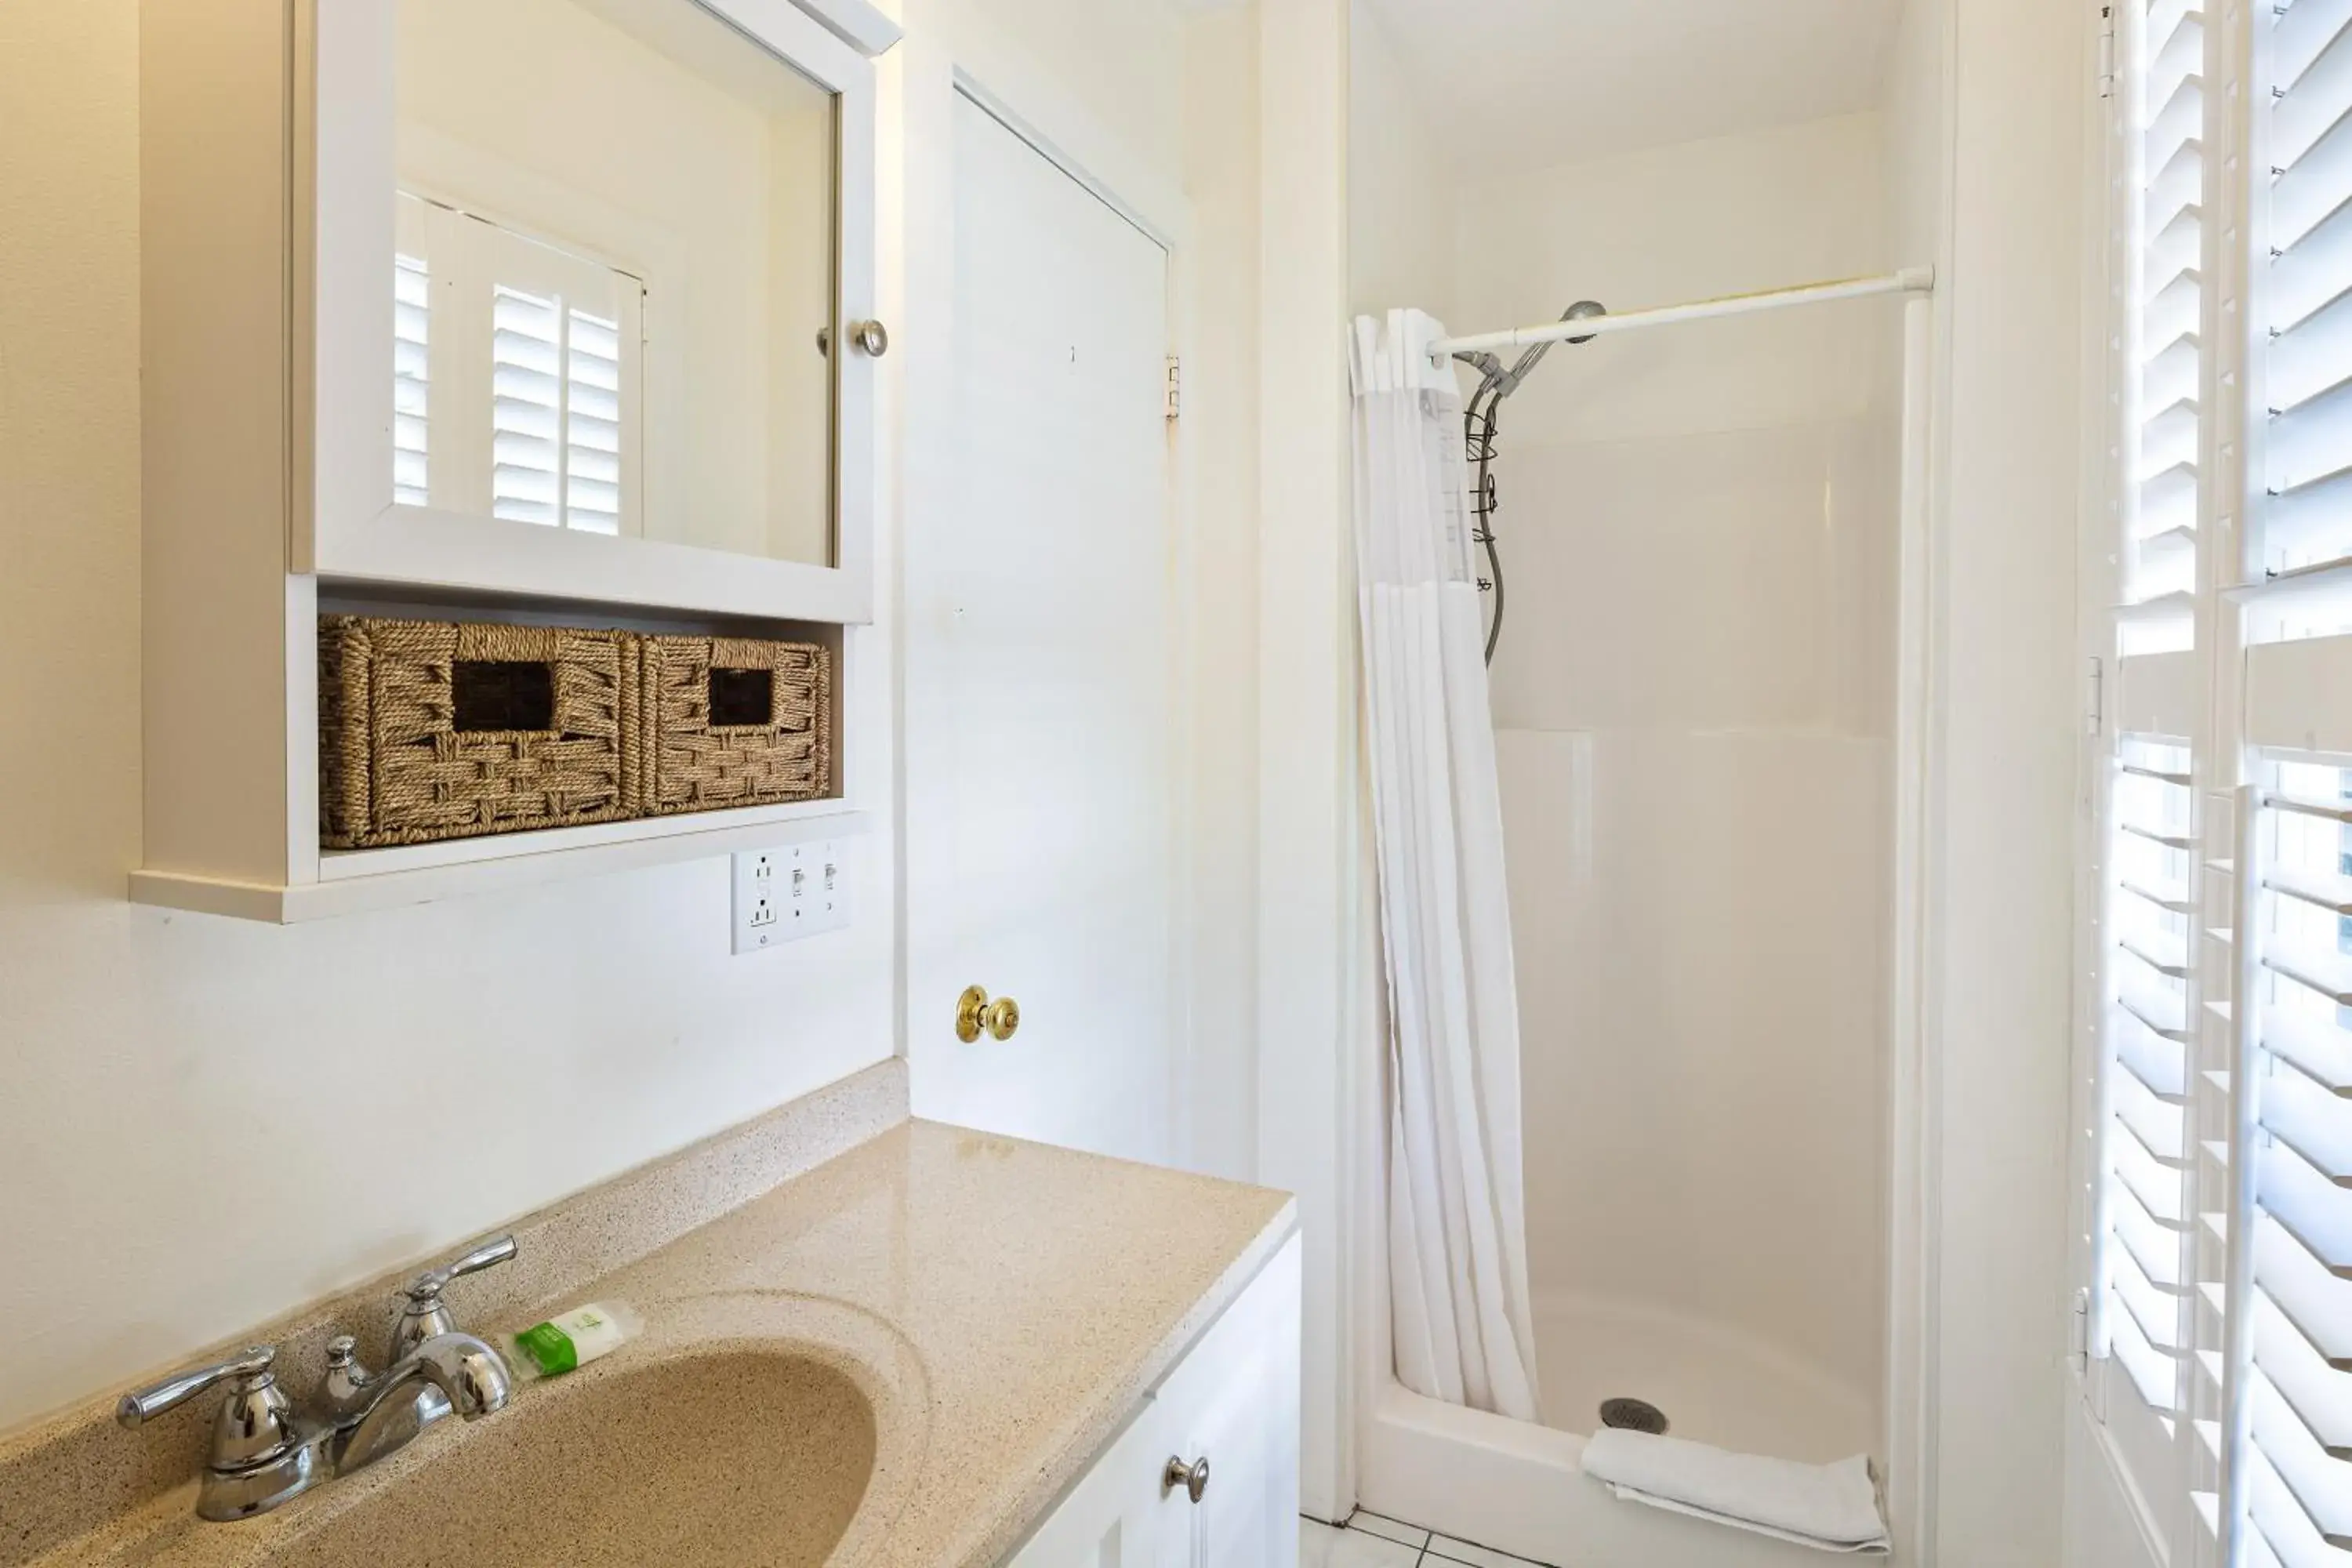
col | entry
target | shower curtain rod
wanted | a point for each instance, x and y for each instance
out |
(1910, 280)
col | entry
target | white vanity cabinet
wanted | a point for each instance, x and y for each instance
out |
(1232, 1401)
(551, 311)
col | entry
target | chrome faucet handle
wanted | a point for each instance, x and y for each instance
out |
(255, 1391)
(429, 1285)
(423, 1315)
(261, 1456)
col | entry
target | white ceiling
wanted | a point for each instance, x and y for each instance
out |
(1526, 84)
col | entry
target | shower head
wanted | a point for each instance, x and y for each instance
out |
(1583, 310)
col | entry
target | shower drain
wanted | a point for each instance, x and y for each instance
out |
(1633, 1415)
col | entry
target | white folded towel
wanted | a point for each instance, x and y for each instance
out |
(1832, 1507)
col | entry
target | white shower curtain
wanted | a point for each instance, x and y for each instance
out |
(1457, 1232)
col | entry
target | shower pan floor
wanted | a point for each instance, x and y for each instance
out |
(1713, 1384)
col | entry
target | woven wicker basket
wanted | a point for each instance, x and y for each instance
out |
(736, 721)
(433, 730)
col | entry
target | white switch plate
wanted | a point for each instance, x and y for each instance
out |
(781, 895)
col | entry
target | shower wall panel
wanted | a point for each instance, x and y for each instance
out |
(1693, 694)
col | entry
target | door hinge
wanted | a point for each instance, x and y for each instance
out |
(2094, 702)
(1175, 387)
(2106, 52)
(2079, 1340)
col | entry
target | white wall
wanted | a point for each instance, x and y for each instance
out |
(1914, 161)
(1218, 445)
(2008, 80)
(1691, 699)
(1401, 187)
(1317, 1046)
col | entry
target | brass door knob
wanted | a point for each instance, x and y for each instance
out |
(975, 1012)
(1192, 1479)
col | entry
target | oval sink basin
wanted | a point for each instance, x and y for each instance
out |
(721, 1457)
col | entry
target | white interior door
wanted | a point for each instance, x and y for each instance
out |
(1039, 679)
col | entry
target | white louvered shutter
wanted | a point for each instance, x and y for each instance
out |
(2287, 593)
(2156, 1236)
(2144, 1248)
(2225, 850)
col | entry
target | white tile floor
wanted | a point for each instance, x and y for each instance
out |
(1371, 1542)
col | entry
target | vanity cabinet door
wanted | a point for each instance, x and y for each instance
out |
(1111, 1519)
(1233, 1402)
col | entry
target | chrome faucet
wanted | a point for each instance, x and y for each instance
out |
(383, 1414)
(423, 1318)
(265, 1452)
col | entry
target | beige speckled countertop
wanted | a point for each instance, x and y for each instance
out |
(1027, 1296)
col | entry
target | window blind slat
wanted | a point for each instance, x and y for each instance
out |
(2307, 1205)
(2312, 439)
(2311, 186)
(2159, 1065)
(2157, 1187)
(2319, 1394)
(2317, 1301)
(2320, 1486)
(2155, 1247)
(2312, 1122)
(2302, 32)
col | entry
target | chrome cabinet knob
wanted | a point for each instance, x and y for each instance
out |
(975, 1013)
(872, 338)
(1193, 1479)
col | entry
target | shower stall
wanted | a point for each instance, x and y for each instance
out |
(1695, 548)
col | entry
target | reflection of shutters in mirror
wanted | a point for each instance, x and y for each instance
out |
(535, 361)
(411, 379)
(555, 414)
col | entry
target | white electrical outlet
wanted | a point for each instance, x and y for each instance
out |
(784, 894)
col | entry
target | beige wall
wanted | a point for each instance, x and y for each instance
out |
(2004, 833)
(1219, 446)
(1400, 191)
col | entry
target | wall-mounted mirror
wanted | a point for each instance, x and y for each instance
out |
(615, 275)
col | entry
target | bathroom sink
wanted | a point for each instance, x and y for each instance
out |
(723, 1454)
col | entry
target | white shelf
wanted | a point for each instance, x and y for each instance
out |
(358, 881)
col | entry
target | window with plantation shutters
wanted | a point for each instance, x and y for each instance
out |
(2145, 1249)
(2224, 926)
(2293, 1498)
(518, 376)
(2156, 1240)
